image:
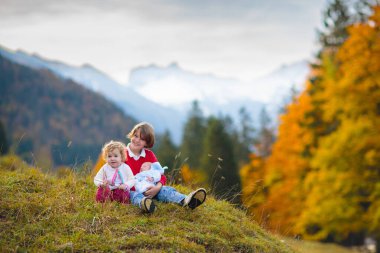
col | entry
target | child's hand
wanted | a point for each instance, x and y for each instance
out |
(153, 190)
(105, 183)
(123, 186)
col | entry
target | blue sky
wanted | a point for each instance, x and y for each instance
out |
(240, 39)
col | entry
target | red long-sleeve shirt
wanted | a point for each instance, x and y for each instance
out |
(135, 162)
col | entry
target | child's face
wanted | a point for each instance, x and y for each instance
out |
(145, 166)
(114, 158)
(137, 142)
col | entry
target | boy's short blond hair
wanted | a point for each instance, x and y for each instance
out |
(112, 145)
(146, 133)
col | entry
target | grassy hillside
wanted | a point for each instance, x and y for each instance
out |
(41, 212)
(318, 247)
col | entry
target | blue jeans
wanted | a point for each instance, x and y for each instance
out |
(167, 194)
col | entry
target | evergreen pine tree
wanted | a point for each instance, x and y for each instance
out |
(219, 162)
(166, 150)
(266, 135)
(336, 18)
(3, 140)
(192, 141)
(244, 137)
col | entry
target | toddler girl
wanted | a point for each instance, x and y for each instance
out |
(115, 178)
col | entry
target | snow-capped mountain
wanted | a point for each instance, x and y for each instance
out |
(175, 87)
(131, 102)
(157, 82)
(277, 84)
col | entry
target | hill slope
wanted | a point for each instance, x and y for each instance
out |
(45, 213)
(50, 118)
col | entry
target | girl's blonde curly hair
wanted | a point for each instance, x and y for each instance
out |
(112, 145)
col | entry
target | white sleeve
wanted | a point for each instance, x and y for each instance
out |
(129, 179)
(98, 180)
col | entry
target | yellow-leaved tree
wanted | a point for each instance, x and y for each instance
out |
(344, 186)
(272, 188)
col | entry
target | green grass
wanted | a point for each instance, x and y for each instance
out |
(41, 212)
(316, 247)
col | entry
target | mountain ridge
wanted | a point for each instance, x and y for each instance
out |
(128, 100)
(176, 87)
(163, 95)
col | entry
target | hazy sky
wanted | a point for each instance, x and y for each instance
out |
(230, 38)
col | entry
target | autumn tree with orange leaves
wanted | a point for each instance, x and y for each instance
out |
(321, 180)
(344, 183)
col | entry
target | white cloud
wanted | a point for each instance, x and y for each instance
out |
(242, 39)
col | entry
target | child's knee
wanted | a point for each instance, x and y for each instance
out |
(167, 189)
(102, 194)
(100, 198)
(125, 197)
